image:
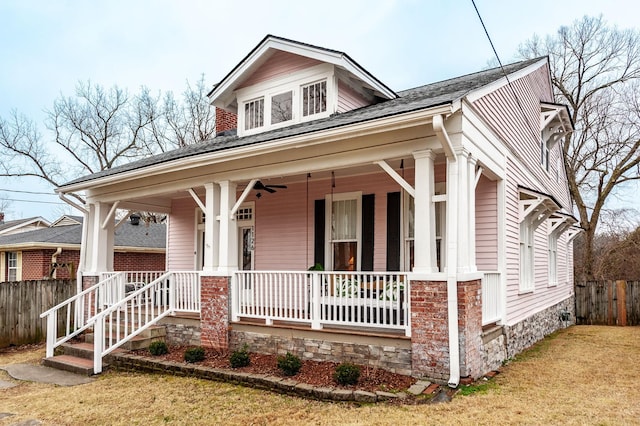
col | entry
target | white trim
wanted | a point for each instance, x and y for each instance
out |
(343, 196)
(395, 176)
(197, 200)
(272, 43)
(497, 84)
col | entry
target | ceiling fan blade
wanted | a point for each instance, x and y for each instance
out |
(259, 186)
(277, 186)
(269, 190)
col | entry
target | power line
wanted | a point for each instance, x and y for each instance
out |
(513, 91)
(32, 201)
(28, 192)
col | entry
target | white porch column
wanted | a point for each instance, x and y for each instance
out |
(99, 244)
(211, 228)
(462, 214)
(471, 176)
(228, 253)
(424, 218)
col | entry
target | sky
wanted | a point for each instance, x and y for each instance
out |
(47, 47)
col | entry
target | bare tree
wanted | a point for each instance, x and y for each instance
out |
(594, 71)
(99, 128)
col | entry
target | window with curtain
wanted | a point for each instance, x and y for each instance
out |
(344, 234)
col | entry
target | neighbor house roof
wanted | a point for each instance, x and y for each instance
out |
(127, 235)
(419, 98)
(13, 226)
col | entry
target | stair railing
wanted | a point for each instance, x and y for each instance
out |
(80, 310)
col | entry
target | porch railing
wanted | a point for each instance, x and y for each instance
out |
(491, 298)
(354, 299)
(119, 309)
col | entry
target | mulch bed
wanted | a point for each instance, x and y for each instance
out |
(315, 373)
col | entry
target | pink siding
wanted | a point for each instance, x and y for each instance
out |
(279, 65)
(520, 306)
(181, 235)
(348, 98)
(281, 242)
(487, 225)
(522, 135)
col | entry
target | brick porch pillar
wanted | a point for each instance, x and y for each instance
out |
(429, 330)
(214, 312)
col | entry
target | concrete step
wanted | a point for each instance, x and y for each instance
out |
(70, 363)
(78, 350)
(135, 343)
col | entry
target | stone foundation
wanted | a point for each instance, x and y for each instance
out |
(388, 353)
(182, 331)
(502, 343)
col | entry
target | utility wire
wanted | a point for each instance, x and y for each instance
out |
(513, 91)
(28, 192)
(32, 201)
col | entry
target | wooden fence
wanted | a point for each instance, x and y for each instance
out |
(21, 304)
(608, 302)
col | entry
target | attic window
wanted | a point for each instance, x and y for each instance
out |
(254, 114)
(281, 107)
(314, 98)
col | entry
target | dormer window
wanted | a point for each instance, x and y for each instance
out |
(281, 105)
(254, 114)
(314, 98)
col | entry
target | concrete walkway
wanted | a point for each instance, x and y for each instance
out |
(41, 374)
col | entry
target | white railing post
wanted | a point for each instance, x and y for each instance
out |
(98, 343)
(407, 307)
(315, 301)
(173, 283)
(52, 326)
(235, 296)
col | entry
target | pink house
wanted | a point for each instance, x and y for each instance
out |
(427, 231)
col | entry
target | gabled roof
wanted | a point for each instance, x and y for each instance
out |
(15, 225)
(127, 235)
(68, 220)
(222, 93)
(433, 95)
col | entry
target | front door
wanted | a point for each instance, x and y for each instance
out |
(246, 248)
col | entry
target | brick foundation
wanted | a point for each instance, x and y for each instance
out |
(214, 313)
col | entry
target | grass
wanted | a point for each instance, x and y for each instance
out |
(582, 375)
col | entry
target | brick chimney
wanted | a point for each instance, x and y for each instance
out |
(225, 120)
(1, 218)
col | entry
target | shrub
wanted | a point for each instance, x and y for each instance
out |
(347, 374)
(195, 354)
(158, 348)
(289, 364)
(239, 358)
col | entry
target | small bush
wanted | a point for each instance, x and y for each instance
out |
(158, 348)
(195, 354)
(347, 374)
(239, 358)
(289, 364)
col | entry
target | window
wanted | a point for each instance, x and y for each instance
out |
(526, 256)
(12, 266)
(281, 107)
(440, 220)
(314, 98)
(409, 234)
(254, 114)
(553, 259)
(345, 232)
(544, 152)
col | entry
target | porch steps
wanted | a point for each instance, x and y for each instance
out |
(78, 357)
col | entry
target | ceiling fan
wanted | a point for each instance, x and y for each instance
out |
(259, 186)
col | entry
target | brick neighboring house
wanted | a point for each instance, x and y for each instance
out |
(53, 251)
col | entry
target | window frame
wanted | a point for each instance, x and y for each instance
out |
(527, 257)
(293, 83)
(12, 256)
(552, 259)
(329, 244)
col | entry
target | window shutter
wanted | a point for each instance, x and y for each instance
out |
(393, 231)
(368, 228)
(318, 232)
(19, 266)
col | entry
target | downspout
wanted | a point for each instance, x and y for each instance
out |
(452, 255)
(54, 257)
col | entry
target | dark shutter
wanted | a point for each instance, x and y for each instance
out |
(318, 232)
(393, 231)
(368, 225)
